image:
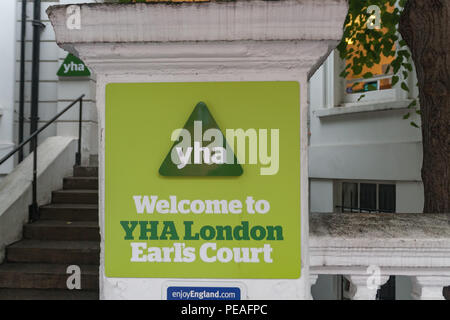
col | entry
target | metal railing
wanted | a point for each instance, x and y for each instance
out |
(361, 210)
(34, 208)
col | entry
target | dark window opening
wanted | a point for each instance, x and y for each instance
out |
(387, 291)
(367, 197)
(387, 197)
(349, 196)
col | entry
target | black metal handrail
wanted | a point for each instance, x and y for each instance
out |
(34, 208)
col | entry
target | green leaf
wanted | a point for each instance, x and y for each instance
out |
(412, 104)
(404, 53)
(406, 116)
(360, 97)
(344, 74)
(395, 80)
(402, 43)
(404, 86)
(396, 64)
(408, 66)
(357, 69)
(414, 124)
(369, 45)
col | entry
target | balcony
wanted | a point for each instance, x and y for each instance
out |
(364, 247)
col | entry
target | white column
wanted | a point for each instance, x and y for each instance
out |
(363, 287)
(429, 287)
(163, 43)
(68, 90)
(67, 125)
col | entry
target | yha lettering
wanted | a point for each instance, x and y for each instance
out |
(73, 67)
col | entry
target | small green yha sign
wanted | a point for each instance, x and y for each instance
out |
(73, 67)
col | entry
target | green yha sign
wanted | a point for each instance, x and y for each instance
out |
(202, 180)
(73, 67)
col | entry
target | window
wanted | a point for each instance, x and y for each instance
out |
(380, 80)
(365, 197)
(349, 196)
(386, 197)
(378, 89)
(356, 86)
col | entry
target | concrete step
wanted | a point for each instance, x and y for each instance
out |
(69, 212)
(63, 252)
(90, 183)
(75, 196)
(45, 276)
(47, 294)
(85, 171)
(62, 230)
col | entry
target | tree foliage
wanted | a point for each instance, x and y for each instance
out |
(370, 41)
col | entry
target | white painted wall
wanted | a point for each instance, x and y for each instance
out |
(409, 196)
(54, 93)
(374, 145)
(67, 90)
(7, 60)
(55, 161)
(321, 195)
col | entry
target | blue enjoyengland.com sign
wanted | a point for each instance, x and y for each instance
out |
(203, 293)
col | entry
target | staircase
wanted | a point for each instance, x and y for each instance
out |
(66, 234)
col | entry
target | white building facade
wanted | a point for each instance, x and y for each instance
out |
(55, 93)
(365, 142)
(363, 157)
(7, 79)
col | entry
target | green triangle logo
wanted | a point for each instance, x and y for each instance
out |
(73, 67)
(200, 150)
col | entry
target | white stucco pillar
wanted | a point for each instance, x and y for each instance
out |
(70, 88)
(429, 287)
(198, 42)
